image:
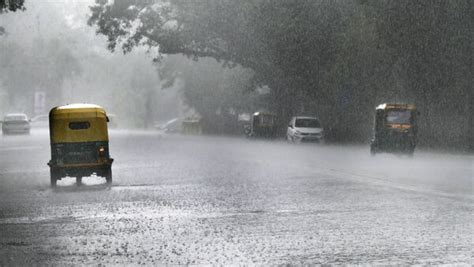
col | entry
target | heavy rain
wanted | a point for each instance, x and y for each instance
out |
(224, 132)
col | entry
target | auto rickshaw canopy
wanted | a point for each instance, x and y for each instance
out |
(386, 106)
(263, 119)
(78, 123)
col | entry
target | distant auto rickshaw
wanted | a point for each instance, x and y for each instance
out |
(262, 124)
(192, 126)
(395, 129)
(79, 143)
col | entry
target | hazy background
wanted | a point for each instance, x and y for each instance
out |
(333, 59)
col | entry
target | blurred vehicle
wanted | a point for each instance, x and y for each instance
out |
(40, 121)
(191, 126)
(171, 126)
(304, 129)
(395, 129)
(79, 143)
(17, 123)
(243, 122)
(262, 124)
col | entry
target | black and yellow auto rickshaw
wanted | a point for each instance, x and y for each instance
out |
(262, 124)
(395, 129)
(79, 143)
(191, 126)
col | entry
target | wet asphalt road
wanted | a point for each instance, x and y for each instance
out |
(215, 200)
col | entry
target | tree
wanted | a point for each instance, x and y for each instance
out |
(334, 58)
(42, 68)
(11, 5)
(217, 94)
(282, 42)
(432, 43)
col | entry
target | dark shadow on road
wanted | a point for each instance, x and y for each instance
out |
(82, 188)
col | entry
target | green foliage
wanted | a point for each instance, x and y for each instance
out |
(11, 5)
(217, 94)
(334, 58)
(42, 68)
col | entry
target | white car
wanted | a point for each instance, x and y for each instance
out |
(305, 129)
(15, 124)
(171, 126)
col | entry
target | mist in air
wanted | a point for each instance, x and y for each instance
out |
(226, 132)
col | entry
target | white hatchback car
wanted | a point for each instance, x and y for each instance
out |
(305, 129)
(15, 124)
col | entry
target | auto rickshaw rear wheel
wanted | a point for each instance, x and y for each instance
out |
(54, 177)
(108, 175)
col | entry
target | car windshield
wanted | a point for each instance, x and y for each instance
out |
(399, 117)
(307, 123)
(15, 118)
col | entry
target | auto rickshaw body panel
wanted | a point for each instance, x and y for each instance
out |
(395, 128)
(67, 124)
(262, 124)
(79, 142)
(192, 126)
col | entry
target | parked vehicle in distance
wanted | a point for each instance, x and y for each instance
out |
(15, 123)
(79, 143)
(171, 126)
(262, 124)
(40, 121)
(395, 129)
(305, 129)
(191, 126)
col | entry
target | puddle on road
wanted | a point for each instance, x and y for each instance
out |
(39, 220)
(16, 244)
(82, 188)
(97, 183)
(134, 187)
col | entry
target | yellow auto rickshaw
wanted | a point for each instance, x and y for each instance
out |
(395, 129)
(192, 126)
(79, 143)
(262, 124)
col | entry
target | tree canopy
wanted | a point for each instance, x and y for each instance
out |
(334, 58)
(11, 5)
